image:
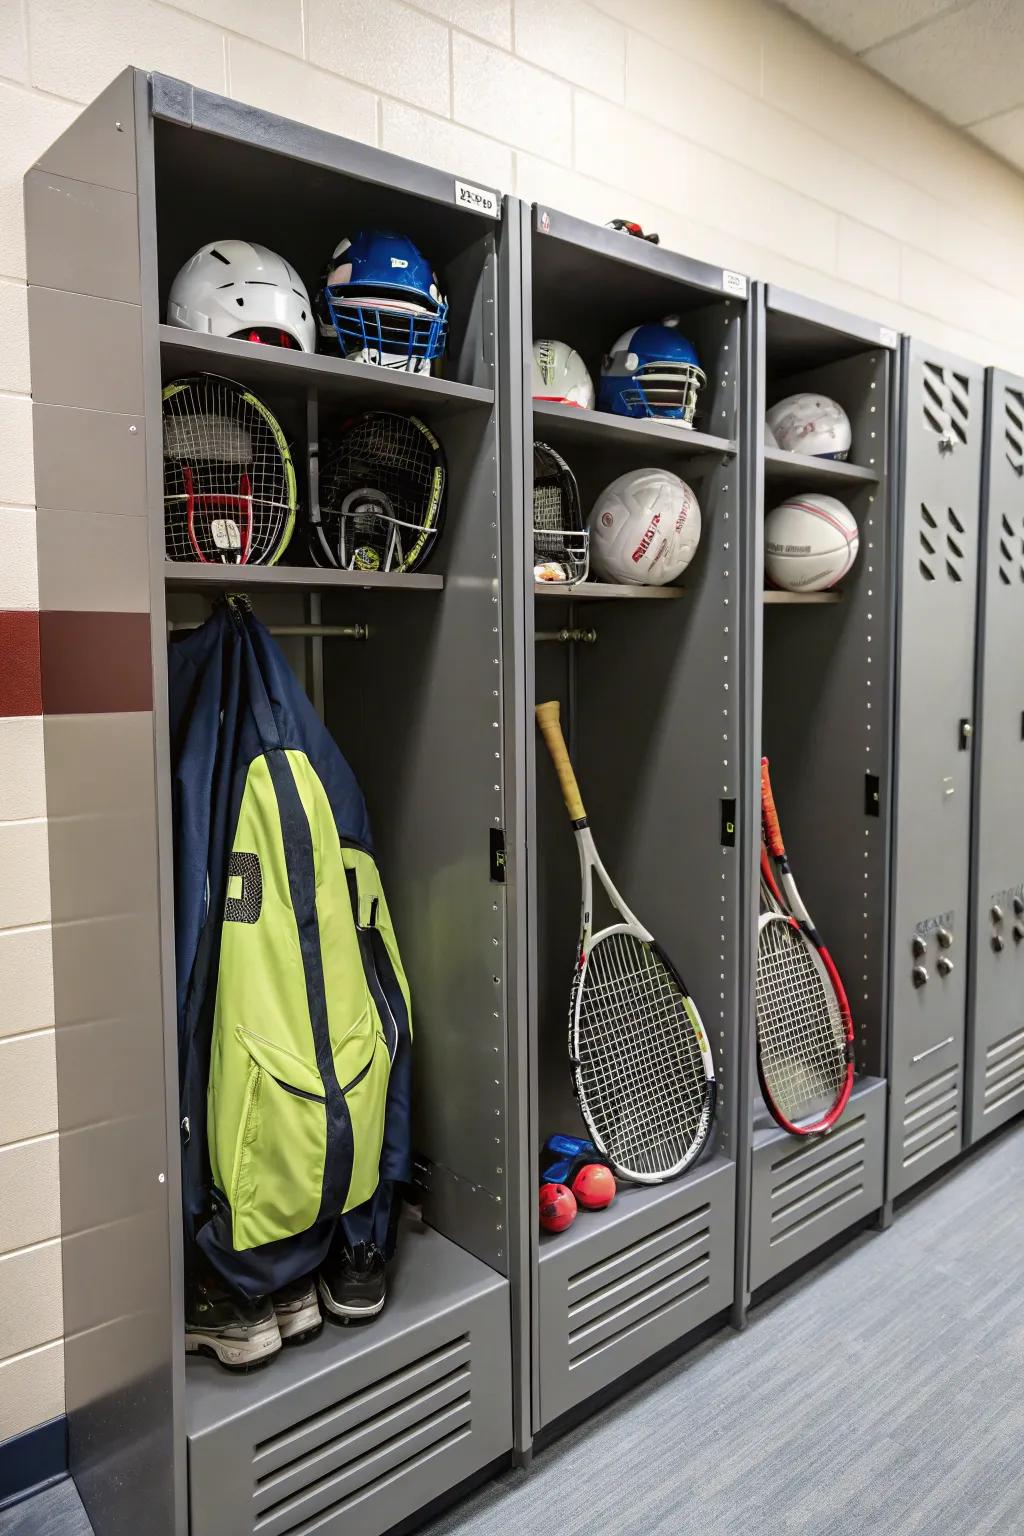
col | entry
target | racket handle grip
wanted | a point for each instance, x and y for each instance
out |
(769, 815)
(550, 728)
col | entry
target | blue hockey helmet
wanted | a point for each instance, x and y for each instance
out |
(652, 370)
(380, 303)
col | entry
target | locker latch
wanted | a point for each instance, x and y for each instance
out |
(498, 855)
(872, 800)
(966, 731)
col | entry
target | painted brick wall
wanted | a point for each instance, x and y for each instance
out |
(723, 124)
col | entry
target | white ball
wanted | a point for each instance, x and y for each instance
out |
(810, 543)
(645, 528)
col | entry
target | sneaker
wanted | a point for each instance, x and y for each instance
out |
(242, 1334)
(298, 1314)
(353, 1284)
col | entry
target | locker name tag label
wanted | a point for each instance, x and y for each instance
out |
(887, 337)
(479, 199)
(735, 282)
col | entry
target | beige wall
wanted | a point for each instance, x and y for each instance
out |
(721, 123)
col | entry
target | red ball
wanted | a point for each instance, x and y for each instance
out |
(594, 1187)
(557, 1207)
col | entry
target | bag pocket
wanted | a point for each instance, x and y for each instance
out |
(366, 1100)
(276, 1176)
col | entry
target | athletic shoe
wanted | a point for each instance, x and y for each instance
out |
(352, 1283)
(298, 1315)
(242, 1334)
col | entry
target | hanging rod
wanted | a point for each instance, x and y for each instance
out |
(568, 636)
(307, 631)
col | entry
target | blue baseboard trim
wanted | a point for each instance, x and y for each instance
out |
(33, 1460)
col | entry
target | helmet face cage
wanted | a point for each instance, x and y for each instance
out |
(666, 390)
(382, 494)
(401, 337)
(561, 542)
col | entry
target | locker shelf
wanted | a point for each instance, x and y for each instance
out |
(799, 599)
(803, 470)
(180, 576)
(335, 379)
(567, 423)
(603, 591)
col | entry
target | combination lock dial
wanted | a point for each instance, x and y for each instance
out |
(944, 937)
(919, 975)
(944, 965)
(918, 945)
(998, 943)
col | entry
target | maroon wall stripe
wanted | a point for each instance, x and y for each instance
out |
(95, 663)
(20, 690)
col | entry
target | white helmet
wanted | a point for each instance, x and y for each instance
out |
(645, 528)
(559, 373)
(237, 288)
(813, 424)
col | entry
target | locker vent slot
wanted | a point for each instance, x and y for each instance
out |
(817, 1178)
(1013, 402)
(946, 401)
(1004, 1071)
(321, 1465)
(610, 1300)
(1011, 549)
(931, 1115)
(928, 541)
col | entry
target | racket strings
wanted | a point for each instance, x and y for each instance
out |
(801, 1035)
(227, 495)
(641, 1072)
(380, 485)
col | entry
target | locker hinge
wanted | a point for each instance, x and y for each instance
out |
(872, 795)
(498, 855)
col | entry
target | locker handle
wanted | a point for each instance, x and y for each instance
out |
(931, 1050)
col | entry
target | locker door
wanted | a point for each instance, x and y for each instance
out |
(940, 513)
(995, 1061)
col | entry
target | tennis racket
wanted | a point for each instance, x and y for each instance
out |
(804, 1028)
(642, 1067)
(561, 542)
(382, 492)
(229, 482)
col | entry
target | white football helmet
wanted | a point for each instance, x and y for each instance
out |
(645, 528)
(810, 423)
(559, 373)
(237, 288)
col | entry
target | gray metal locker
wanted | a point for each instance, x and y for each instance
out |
(994, 1085)
(359, 1429)
(651, 686)
(941, 440)
(822, 666)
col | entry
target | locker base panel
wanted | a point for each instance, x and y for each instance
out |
(621, 1285)
(805, 1192)
(361, 1428)
(999, 1096)
(926, 1126)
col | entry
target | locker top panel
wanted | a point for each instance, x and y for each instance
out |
(220, 117)
(803, 333)
(582, 251)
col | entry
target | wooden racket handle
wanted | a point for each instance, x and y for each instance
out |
(550, 728)
(769, 815)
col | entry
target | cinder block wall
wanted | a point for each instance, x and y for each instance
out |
(724, 124)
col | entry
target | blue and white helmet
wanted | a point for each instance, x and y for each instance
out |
(652, 370)
(379, 303)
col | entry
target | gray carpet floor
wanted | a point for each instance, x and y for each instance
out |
(881, 1395)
